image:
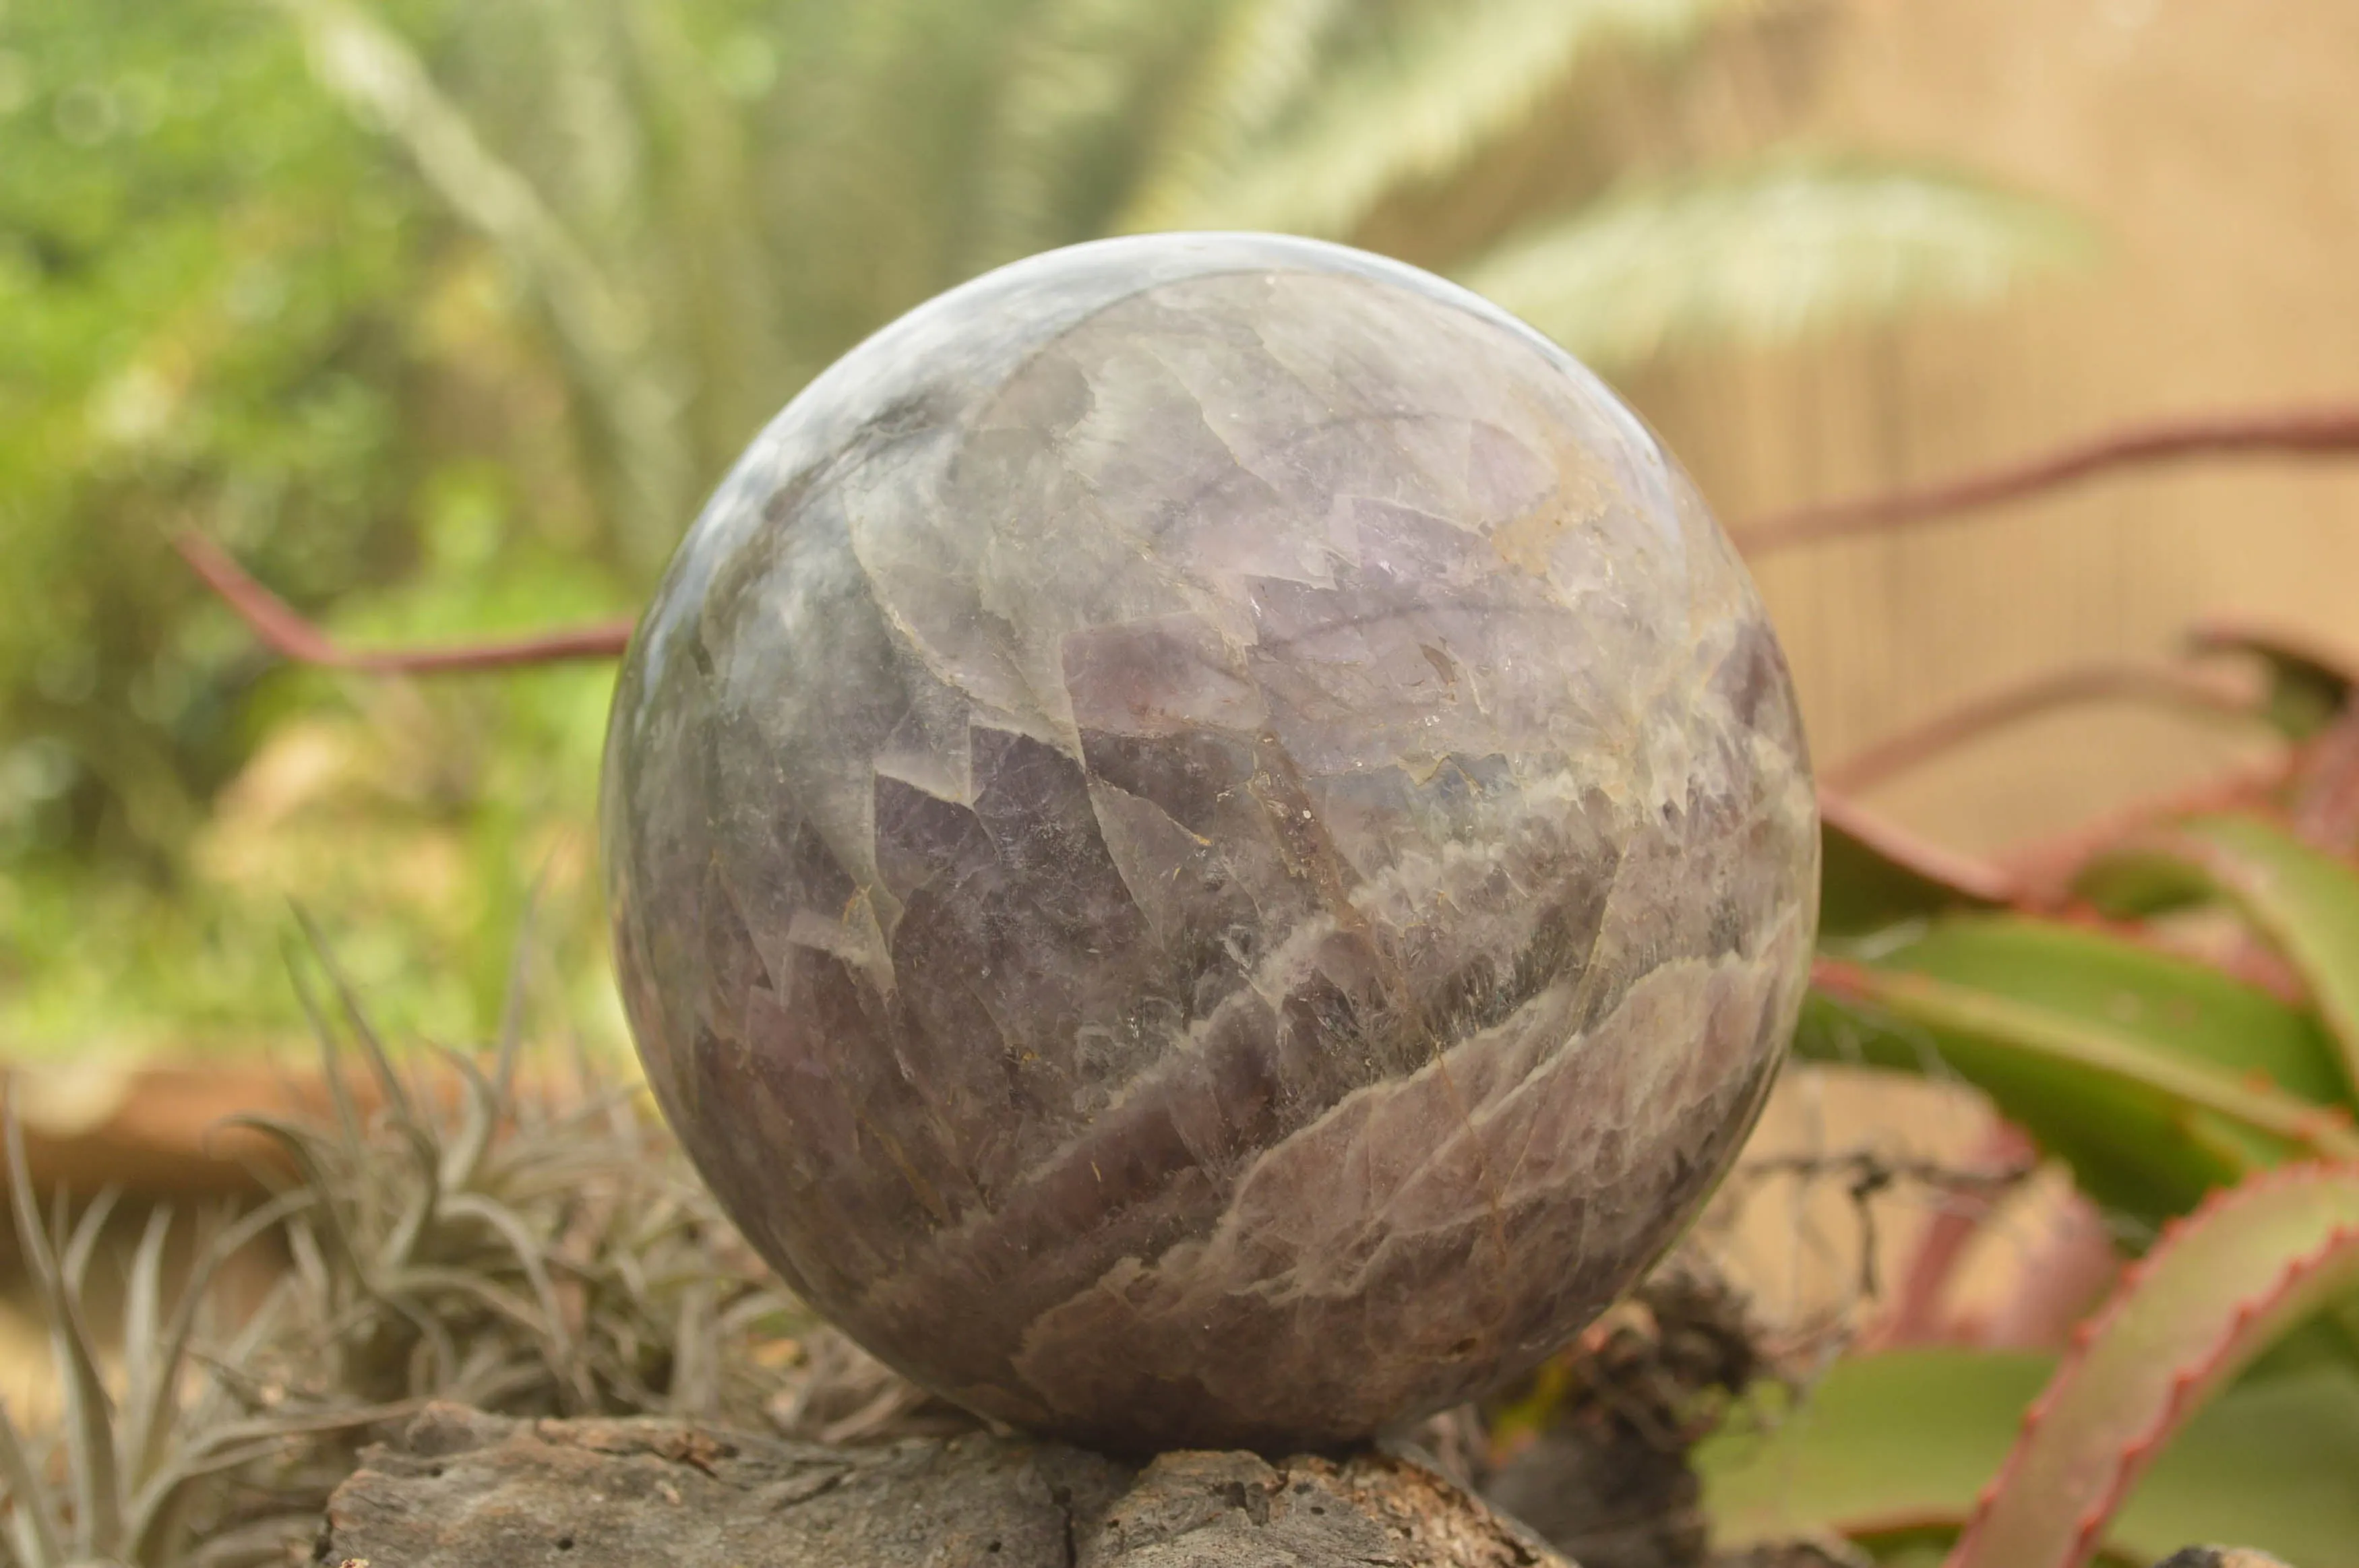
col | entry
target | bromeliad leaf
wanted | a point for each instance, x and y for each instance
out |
(2155, 1078)
(2267, 1462)
(2223, 1286)
(2305, 903)
(2176, 1004)
(1872, 876)
(2310, 680)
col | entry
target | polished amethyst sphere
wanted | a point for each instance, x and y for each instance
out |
(1208, 844)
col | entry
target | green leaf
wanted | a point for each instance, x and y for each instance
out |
(2176, 1004)
(368, 66)
(1911, 1438)
(1871, 878)
(2305, 902)
(2222, 1287)
(2156, 1079)
(2309, 681)
(1262, 55)
(1765, 253)
(1082, 88)
(1423, 100)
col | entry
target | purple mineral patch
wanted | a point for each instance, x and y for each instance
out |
(1208, 844)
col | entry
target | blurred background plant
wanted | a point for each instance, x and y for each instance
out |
(2164, 1006)
(442, 317)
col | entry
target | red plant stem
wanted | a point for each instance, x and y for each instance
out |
(1920, 1314)
(2325, 805)
(2198, 691)
(2317, 432)
(274, 621)
(2042, 873)
(2071, 1269)
(2328, 431)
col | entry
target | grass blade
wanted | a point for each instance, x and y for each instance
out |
(154, 1420)
(372, 1051)
(331, 1059)
(83, 1240)
(528, 1256)
(142, 1328)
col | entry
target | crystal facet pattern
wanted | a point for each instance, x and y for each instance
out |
(1208, 844)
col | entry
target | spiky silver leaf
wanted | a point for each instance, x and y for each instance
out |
(1767, 253)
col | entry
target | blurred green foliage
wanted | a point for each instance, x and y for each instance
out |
(223, 306)
(442, 316)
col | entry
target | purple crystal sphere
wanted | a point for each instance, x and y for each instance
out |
(1208, 844)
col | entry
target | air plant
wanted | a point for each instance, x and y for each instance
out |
(465, 1233)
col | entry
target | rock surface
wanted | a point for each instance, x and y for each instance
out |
(460, 1490)
(1209, 846)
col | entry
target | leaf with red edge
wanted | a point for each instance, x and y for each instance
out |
(2156, 1079)
(1874, 875)
(1895, 1446)
(2310, 679)
(2178, 1004)
(2223, 1285)
(2304, 901)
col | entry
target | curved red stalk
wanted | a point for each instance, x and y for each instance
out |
(2329, 431)
(1972, 880)
(1918, 1315)
(2197, 691)
(2070, 1269)
(2044, 872)
(288, 634)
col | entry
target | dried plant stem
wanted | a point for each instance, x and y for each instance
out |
(2330, 430)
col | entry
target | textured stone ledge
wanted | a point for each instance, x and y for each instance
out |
(459, 1488)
